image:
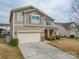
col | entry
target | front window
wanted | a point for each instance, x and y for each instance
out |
(19, 16)
(35, 19)
(48, 22)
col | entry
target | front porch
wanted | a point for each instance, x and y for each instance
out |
(49, 32)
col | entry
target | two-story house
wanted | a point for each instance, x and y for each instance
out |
(29, 24)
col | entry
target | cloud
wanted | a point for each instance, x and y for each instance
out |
(57, 9)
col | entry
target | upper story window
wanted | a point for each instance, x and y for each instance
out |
(19, 16)
(35, 19)
(48, 22)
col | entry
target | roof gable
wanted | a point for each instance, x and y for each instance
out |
(24, 8)
(67, 25)
(72, 25)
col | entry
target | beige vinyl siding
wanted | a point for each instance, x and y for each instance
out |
(27, 29)
(41, 17)
(28, 18)
(12, 25)
(22, 10)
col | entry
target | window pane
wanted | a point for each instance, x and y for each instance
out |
(37, 17)
(19, 16)
(48, 22)
(33, 17)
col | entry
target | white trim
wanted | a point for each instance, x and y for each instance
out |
(29, 25)
(30, 31)
(29, 10)
(13, 25)
(57, 33)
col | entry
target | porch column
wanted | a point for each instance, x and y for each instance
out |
(43, 34)
(57, 33)
(54, 32)
(48, 32)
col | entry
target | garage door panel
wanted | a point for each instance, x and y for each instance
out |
(28, 37)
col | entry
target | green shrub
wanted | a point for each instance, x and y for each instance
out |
(72, 36)
(57, 36)
(49, 38)
(14, 42)
(3, 36)
(53, 37)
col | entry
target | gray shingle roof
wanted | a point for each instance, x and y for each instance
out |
(26, 7)
(66, 25)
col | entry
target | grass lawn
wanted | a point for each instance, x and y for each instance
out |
(69, 45)
(9, 52)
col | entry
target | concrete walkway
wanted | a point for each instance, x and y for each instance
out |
(41, 50)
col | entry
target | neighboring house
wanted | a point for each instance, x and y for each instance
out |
(4, 28)
(29, 24)
(66, 29)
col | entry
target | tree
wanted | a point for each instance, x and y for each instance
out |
(75, 13)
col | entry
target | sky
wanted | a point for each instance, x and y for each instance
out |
(57, 9)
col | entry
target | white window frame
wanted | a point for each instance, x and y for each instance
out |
(19, 16)
(47, 21)
(35, 19)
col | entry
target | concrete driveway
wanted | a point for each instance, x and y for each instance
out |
(41, 50)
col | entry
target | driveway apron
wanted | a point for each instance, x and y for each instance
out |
(41, 50)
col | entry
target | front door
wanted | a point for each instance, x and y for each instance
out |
(51, 32)
(46, 34)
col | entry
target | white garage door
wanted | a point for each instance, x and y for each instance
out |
(28, 37)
